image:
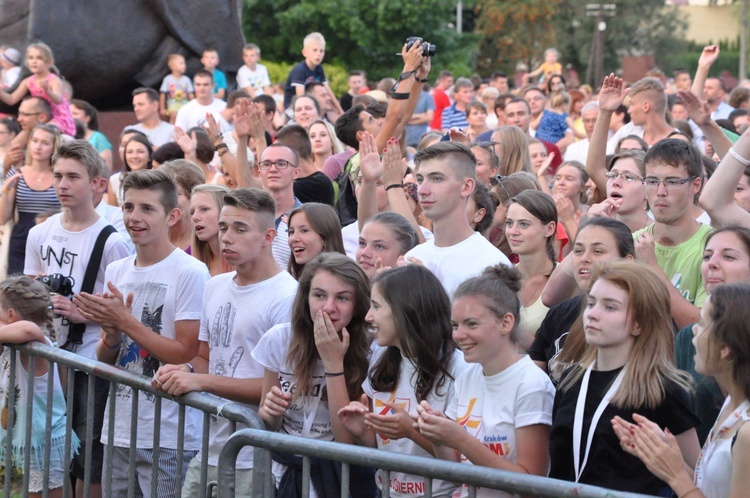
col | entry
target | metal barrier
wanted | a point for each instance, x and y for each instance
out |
(209, 404)
(474, 476)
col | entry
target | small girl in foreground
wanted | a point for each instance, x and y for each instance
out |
(501, 412)
(25, 311)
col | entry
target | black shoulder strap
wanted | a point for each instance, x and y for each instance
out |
(76, 330)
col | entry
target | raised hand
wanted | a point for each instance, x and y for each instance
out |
(369, 159)
(696, 107)
(612, 94)
(708, 56)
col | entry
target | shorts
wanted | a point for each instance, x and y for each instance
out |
(192, 486)
(167, 473)
(36, 479)
(80, 409)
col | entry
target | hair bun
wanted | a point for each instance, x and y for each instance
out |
(509, 275)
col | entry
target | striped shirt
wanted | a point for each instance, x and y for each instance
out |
(453, 118)
(29, 200)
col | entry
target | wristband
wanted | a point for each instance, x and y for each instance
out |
(335, 374)
(224, 151)
(739, 158)
(420, 80)
(399, 96)
(220, 146)
(394, 185)
(116, 346)
(192, 370)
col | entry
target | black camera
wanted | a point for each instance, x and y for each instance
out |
(59, 284)
(428, 49)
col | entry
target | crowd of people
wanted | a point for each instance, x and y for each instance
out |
(546, 280)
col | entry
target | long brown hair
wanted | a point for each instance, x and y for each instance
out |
(302, 351)
(325, 222)
(650, 365)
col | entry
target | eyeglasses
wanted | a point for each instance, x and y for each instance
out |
(486, 145)
(626, 176)
(669, 183)
(28, 114)
(279, 163)
(498, 180)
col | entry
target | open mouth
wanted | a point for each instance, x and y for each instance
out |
(616, 195)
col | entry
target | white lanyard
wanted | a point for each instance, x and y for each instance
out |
(309, 410)
(578, 420)
(713, 438)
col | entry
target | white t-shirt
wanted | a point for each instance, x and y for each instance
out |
(157, 136)
(194, 114)
(455, 264)
(233, 320)
(492, 408)
(257, 79)
(52, 249)
(164, 293)
(577, 151)
(350, 234)
(308, 414)
(627, 129)
(401, 484)
(113, 216)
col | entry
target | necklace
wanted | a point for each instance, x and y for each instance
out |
(526, 296)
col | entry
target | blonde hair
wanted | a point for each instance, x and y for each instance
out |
(337, 146)
(314, 37)
(199, 248)
(650, 365)
(30, 299)
(56, 141)
(44, 49)
(560, 99)
(515, 150)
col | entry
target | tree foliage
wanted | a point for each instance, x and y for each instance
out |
(514, 31)
(360, 34)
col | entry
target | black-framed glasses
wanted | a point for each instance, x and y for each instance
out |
(626, 176)
(498, 180)
(484, 144)
(669, 183)
(279, 163)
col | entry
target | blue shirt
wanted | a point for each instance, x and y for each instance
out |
(453, 118)
(220, 81)
(415, 132)
(301, 75)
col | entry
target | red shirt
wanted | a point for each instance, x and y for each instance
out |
(441, 102)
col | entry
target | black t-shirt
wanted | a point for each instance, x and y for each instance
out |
(301, 75)
(608, 465)
(550, 338)
(314, 188)
(346, 101)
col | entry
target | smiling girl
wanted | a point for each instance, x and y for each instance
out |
(313, 228)
(501, 412)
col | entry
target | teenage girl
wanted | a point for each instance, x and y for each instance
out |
(313, 228)
(45, 84)
(501, 412)
(25, 315)
(722, 343)
(626, 368)
(384, 238)
(315, 365)
(416, 361)
(206, 202)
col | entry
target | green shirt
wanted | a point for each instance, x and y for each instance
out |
(682, 263)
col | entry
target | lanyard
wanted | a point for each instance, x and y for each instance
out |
(713, 438)
(578, 421)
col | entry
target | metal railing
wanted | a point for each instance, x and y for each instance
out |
(472, 475)
(209, 404)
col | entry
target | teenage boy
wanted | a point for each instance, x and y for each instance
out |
(252, 77)
(194, 112)
(673, 245)
(62, 247)
(149, 314)
(210, 61)
(356, 82)
(446, 173)
(238, 308)
(310, 69)
(455, 115)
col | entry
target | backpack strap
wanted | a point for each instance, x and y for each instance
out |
(76, 330)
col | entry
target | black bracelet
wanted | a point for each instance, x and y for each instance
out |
(420, 80)
(336, 374)
(220, 146)
(399, 96)
(395, 185)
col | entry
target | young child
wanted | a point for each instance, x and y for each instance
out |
(10, 60)
(547, 68)
(44, 84)
(210, 61)
(25, 315)
(253, 77)
(176, 88)
(554, 122)
(314, 50)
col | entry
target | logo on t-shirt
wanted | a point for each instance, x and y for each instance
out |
(380, 408)
(470, 422)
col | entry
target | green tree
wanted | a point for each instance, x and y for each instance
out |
(360, 34)
(640, 27)
(513, 31)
